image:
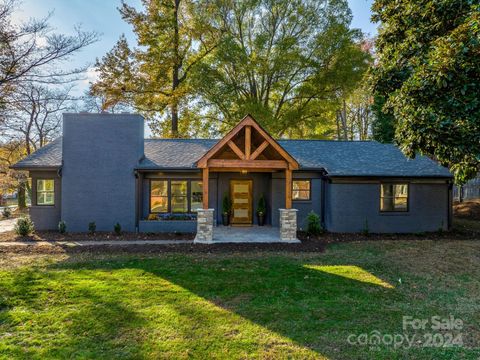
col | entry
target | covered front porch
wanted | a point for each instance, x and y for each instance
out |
(251, 234)
(245, 153)
(247, 168)
(173, 203)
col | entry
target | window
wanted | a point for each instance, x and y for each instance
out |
(301, 190)
(45, 192)
(179, 203)
(159, 196)
(394, 197)
(176, 196)
(196, 195)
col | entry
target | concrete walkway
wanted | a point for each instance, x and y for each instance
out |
(247, 234)
(221, 235)
(94, 243)
(7, 225)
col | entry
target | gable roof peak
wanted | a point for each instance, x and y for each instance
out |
(247, 121)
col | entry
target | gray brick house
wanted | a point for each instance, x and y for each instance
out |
(103, 170)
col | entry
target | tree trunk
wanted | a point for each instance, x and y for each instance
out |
(338, 124)
(174, 110)
(175, 73)
(28, 148)
(344, 121)
(22, 200)
(342, 126)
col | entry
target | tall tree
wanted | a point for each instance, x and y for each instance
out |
(32, 71)
(33, 119)
(428, 71)
(34, 115)
(31, 52)
(383, 126)
(283, 61)
(173, 36)
(355, 117)
(12, 151)
(353, 114)
(97, 104)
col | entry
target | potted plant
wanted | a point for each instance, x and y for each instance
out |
(226, 209)
(261, 211)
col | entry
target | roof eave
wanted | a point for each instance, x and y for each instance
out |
(312, 168)
(34, 167)
(392, 176)
(180, 169)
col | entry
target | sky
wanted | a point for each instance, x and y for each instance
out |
(103, 17)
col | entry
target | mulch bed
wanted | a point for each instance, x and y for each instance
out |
(469, 209)
(98, 236)
(303, 236)
(308, 243)
(311, 245)
(329, 238)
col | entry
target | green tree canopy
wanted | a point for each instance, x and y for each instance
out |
(210, 62)
(173, 36)
(284, 62)
(428, 72)
(383, 126)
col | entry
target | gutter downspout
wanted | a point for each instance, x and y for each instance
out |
(137, 201)
(323, 192)
(450, 205)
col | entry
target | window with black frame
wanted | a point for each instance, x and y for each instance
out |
(45, 192)
(393, 197)
(178, 193)
(301, 190)
(159, 196)
(175, 196)
(196, 195)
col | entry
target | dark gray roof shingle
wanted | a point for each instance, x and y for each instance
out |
(174, 153)
(360, 158)
(49, 156)
(338, 158)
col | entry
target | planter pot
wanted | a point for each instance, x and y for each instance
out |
(226, 219)
(261, 219)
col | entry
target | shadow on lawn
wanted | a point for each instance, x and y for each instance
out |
(63, 320)
(220, 307)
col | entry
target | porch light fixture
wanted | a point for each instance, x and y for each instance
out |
(244, 172)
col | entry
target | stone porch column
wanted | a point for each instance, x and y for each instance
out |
(288, 225)
(204, 226)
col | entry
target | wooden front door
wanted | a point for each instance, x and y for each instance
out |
(241, 195)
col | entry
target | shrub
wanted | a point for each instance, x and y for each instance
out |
(262, 206)
(226, 205)
(24, 226)
(152, 217)
(117, 229)
(62, 227)
(170, 216)
(92, 227)
(314, 226)
(6, 213)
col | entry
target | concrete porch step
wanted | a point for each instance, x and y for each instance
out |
(246, 234)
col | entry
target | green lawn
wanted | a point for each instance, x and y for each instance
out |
(240, 305)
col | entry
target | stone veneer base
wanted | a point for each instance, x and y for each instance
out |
(288, 225)
(204, 226)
